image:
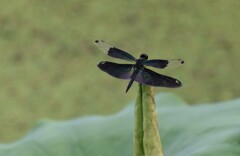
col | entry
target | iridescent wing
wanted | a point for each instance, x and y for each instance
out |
(151, 78)
(113, 52)
(121, 71)
(164, 63)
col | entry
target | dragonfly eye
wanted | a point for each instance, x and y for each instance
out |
(144, 56)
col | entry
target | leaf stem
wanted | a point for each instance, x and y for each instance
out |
(146, 134)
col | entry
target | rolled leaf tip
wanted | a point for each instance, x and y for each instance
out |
(146, 135)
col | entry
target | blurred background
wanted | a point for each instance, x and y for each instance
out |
(48, 59)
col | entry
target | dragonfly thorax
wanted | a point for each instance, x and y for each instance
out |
(141, 60)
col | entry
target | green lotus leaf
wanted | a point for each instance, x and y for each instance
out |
(202, 130)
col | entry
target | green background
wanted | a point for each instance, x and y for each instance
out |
(48, 59)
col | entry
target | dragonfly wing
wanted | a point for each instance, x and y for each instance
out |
(151, 78)
(121, 71)
(164, 63)
(113, 52)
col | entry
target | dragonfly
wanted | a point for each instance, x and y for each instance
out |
(137, 71)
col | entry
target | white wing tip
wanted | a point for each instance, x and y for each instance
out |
(102, 45)
(98, 41)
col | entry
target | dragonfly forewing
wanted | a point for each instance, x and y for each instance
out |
(164, 63)
(113, 51)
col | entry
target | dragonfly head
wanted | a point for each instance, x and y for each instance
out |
(144, 56)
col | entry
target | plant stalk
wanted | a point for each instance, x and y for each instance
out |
(146, 135)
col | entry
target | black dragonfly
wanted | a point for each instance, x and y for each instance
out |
(137, 72)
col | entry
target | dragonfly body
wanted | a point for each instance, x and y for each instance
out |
(137, 71)
(140, 62)
(138, 66)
